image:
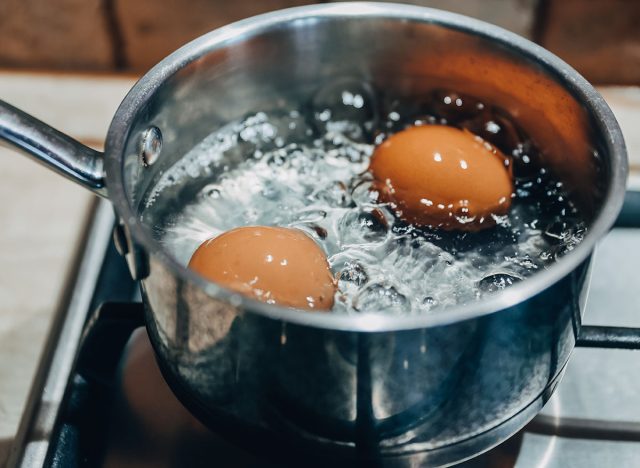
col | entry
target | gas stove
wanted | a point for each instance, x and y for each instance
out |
(103, 402)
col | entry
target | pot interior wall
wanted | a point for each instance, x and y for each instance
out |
(281, 66)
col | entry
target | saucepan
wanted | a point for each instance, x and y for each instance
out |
(397, 390)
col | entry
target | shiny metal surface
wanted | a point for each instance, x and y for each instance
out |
(439, 387)
(541, 451)
(436, 388)
(605, 384)
(148, 427)
(274, 60)
(52, 148)
(151, 146)
(440, 394)
(593, 418)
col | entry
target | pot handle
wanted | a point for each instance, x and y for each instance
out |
(594, 336)
(54, 149)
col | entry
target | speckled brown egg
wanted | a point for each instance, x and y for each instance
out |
(272, 264)
(441, 176)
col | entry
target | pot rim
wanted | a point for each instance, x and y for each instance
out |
(225, 36)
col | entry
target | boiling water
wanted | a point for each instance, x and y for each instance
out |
(307, 169)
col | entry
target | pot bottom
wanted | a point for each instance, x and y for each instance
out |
(291, 450)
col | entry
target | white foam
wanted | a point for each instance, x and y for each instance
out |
(319, 184)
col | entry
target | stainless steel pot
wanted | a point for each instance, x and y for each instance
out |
(429, 389)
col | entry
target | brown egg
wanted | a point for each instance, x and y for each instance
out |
(272, 264)
(440, 176)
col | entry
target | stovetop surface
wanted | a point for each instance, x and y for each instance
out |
(597, 404)
(592, 420)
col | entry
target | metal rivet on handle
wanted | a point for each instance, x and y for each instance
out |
(151, 146)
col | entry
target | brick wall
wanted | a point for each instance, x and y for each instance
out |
(601, 38)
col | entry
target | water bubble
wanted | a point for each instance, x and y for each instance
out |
(383, 298)
(525, 161)
(454, 106)
(251, 214)
(361, 191)
(428, 120)
(492, 127)
(255, 133)
(496, 282)
(379, 137)
(293, 126)
(398, 113)
(353, 272)
(428, 303)
(311, 216)
(345, 106)
(363, 227)
(319, 230)
(503, 133)
(572, 237)
(212, 191)
(274, 129)
(557, 232)
(343, 152)
(319, 183)
(313, 230)
(256, 129)
(271, 191)
(335, 194)
(277, 158)
(526, 262)
(547, 255)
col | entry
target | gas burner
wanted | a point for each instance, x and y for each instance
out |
(101, 400)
